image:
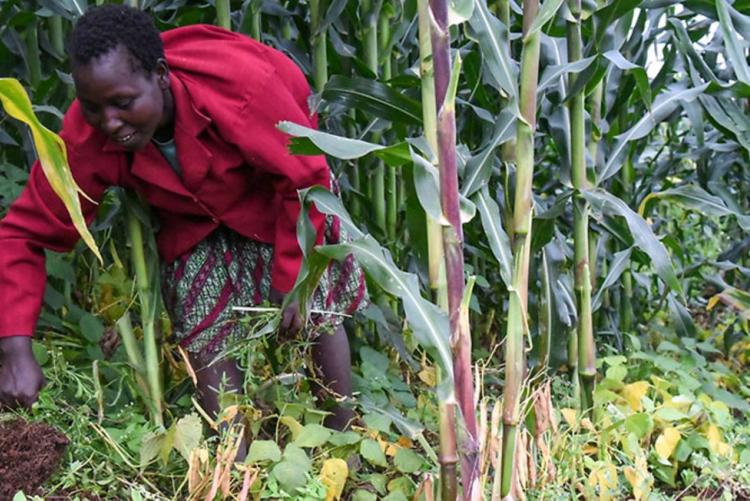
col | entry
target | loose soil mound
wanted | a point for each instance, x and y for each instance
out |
(29, 454)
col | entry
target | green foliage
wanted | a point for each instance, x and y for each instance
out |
(667, 162)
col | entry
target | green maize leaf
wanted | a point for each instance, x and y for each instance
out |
(620, 262)
(52, 154)
(459, 11)
(605, 17)
(373, 97)
(428, 322)
(427, 186)
(479, 167)
(664, 105)
(641, 78)
(492, 37)
(449, 102)
(498, 239)
(545, 15)
(681, 317)
(735, 50)
(551, 74)
(315, 142)
(696, 198)
(644, 238)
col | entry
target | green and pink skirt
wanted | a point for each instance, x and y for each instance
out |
(225, 270)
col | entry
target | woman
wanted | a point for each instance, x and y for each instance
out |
(187, 118)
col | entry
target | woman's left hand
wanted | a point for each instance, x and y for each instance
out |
(291, 317)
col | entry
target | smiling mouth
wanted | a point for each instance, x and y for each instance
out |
(124, 139)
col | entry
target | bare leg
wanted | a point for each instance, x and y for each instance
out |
(333, 367)
(223, 375)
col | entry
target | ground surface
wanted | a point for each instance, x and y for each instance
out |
(29, 455)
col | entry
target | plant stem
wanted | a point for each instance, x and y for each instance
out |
(319, 43)
(223, 18)
(148, 313)
(32, 53)
(453, 245)
(255, 21)
(436, 262)
(56, 35)
(370, 13)
(517, 326)
(391, 177)
(586, 346)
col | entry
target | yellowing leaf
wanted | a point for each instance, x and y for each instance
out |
(639, 479)
(333, 475)
(392, 449)
(405, 442)
(716, 442)
(428, 376)
(605, 477)
(292, 424)
(570, 416)
(667, 442)
(591, 450)
(632, 393)
(50, 148)
(713, 302)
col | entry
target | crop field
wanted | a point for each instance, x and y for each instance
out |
(550, 200)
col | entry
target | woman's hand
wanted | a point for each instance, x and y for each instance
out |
(21, 377)
(291, 317)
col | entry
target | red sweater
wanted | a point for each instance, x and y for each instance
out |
(229, 92)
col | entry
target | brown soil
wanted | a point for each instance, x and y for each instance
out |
(29, 454)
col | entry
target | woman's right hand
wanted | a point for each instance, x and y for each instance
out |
(21, 377)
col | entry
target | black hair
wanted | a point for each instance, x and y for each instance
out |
(105, 28)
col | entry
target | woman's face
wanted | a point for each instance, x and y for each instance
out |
(122, 101)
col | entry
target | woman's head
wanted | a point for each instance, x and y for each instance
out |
(121, 76)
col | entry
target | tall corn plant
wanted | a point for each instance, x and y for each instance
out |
(517, 327)
(585, 345)
(446, 82)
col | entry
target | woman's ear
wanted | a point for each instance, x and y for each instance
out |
(162, 73)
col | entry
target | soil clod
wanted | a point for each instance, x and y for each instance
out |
(29, 455)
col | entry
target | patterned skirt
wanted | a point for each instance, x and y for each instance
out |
(201, 287)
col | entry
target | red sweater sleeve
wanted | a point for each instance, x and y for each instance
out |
(283, 96)
(37, 220)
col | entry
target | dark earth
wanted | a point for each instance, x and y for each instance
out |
(29, 455)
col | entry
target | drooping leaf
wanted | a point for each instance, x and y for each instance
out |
(331, 144)
(52, 154)
(639, 74)
(428, 322)
(693, 197)
(479, 167)
(492, 36)
(374, 97)
(427, 186)
(620, 262)
(663, 106)
(643, 237)
(497, 238)
(735, 50)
